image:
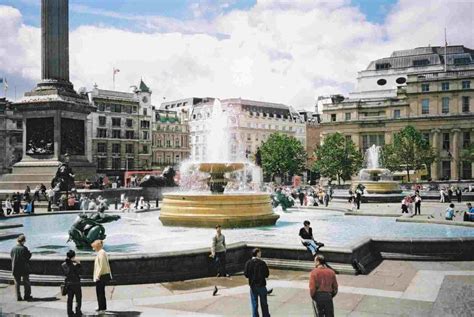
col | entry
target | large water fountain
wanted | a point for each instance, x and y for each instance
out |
(229, 209)
(374, 178)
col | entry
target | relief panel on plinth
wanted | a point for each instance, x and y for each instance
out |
(40, 136)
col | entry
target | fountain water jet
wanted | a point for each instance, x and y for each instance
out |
(374, 178)
(235, 209)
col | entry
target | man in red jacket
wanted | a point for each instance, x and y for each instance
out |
(322, 288)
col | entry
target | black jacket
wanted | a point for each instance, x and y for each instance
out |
(72, 272)
(20, 260)
(256, 271)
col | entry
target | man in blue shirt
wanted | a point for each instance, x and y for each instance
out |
(469, 215)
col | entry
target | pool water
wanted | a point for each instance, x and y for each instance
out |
(144, 233)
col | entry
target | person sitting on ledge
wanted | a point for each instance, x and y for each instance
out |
(469, 214)
(307, 239)
(450, 212)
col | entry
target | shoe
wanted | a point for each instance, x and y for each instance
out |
(227, 275)
(320, 244)
(19, 299)
(215, 291)
(78, 313)
(269, 291)
(29, 298)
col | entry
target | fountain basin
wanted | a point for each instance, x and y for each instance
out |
(220, 168)
(234, 210)
(379, 187)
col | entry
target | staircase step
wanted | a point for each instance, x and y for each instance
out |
(340, 268)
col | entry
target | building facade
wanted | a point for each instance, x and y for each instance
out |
(11, 137)
(121, 130)
(435, 96)
(170, 135)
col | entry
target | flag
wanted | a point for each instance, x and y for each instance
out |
(5, 83)
(116, 70)
(1, 80)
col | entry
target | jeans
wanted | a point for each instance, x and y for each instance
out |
(26, 284)
(255, 293)
(100, 292)
(323, 305)
(220, 263)
(74, 290)
(310, 245)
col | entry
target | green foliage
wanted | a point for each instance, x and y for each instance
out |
(337, 158)
(282, 154)
(408, 151)
(467, 154)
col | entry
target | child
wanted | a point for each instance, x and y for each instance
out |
(450, 212)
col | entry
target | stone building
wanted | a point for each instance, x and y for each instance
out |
(251, 123)
(430, 88)
(11, 134)
(170, 135)
(121, 130)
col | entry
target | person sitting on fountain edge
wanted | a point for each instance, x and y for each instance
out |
(307, 239)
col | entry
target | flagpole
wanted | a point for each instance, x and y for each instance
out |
(445, 51)
(113, 78)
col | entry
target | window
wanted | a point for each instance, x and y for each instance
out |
(168, 143)
(425, 106)
(396, 113)
(116, 122)
(421, 62)
(465, 104)
(401, 80)
(129, 123)
(382, 66)
(101, 133)
(116, 162)
(426, 137)
(446, 144)
(101, 147)
(462, 61)
(348, 139)
(425, 87)
(116, 108)
(333, 117)
(249, 137)
(19, 124)
(369, 139)
(444, 86)
(129, 148)
(145, 149)
(100, 107)
(130, 164)
(445, 105)
(101, 163)
(144, 111)
(446, 169)
(381, 82)
(145, 124)
(127, 109)
(102, 120)
(466, 84)
(116, 134)
(145, 135)
(466, 170)
(348, 116)
(116, 148)
(176, 143)
(466, 139)
(129, 134)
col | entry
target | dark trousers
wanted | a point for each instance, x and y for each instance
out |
(74, 291)
(220, 263)
(418, 208)
(358, 199)
(26, 285)
(322, 305)
(100, 291)
(255, 293)
(459, 197)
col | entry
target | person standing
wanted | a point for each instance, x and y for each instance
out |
(72, 270)
(256, 270)
(21, 256)
(417, 203)
(322, 288)
(450, 194)
(458, 193)
(102, 274)
(8, 206)
(307, 239)
(218, 250)
(442, 196)
(358, 198)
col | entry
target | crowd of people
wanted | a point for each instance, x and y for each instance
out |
(306, 195)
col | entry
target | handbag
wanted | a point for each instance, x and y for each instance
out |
(64, 289)
(105, 278)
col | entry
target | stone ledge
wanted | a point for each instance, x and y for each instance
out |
(438, 222)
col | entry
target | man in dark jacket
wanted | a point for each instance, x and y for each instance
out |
(72, 270)
(256, 271)
(20, 256)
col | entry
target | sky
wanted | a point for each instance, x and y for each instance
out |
(287, 51)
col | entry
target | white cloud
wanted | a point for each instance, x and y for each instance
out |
(281, 51)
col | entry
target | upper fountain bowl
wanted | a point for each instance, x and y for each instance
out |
(220, 168)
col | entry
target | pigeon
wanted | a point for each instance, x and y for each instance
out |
(269, 291)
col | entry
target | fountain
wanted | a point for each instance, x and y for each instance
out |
(234, 209)
(375, 179)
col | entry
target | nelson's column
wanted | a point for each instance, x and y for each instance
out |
(54, 115)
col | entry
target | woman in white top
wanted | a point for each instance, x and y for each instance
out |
(102, 274)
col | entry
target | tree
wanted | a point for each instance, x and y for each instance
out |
(337, 158)
(282, 154)
(466, 157)
(408, 151)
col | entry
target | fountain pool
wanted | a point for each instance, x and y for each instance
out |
(144, 233)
